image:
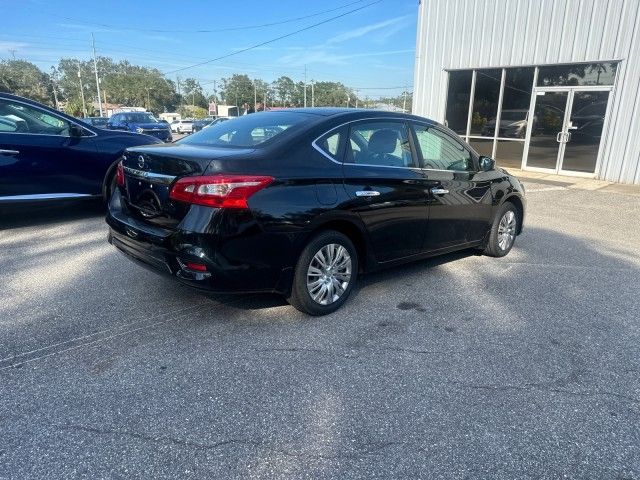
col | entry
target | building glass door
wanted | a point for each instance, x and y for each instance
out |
(566, 130)
(545, 143)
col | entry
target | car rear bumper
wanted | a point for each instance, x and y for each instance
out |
(232, 265)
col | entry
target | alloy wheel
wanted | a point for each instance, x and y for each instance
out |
(507, 230)
(329, 274)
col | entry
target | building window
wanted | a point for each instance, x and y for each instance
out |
(577, 74)
(458, 98)
(485, 102)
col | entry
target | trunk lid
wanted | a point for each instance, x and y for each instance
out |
(150, 172)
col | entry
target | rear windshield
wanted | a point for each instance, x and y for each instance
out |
(248, 130)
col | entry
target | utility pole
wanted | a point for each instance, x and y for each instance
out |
(55, 90)
(404, 100)
(305, 86)
(13, 53)
(313, 95)
(264, 107)
(357, 91)
(95, 69)
(84, 105)
(148, 99)
(255, 95)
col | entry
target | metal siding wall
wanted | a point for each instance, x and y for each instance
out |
(492, 33)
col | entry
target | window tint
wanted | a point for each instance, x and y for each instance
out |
(441, 152)
(20, 118)
(458, 100)
(248, 130)
(577, 74)
(330, 143)
(380, 143)
(485, 102)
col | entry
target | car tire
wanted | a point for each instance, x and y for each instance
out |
(503, 231)
(317, 290)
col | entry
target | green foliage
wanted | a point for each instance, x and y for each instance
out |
(121, 82)
(25, 79)
(133, 85)
(237, 89)
(191, 111)
(192, 93)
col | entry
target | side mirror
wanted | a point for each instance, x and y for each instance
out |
(487, 164)
(75, 130)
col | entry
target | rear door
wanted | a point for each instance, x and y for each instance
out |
(38, 157)
(459, 198)
(386, 187)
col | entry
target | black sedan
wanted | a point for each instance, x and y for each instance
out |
(46, 155)
(302, 201)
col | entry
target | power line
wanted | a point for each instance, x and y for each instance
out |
(226, 29)
(237, 52)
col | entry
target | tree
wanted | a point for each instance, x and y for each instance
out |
(237, 90)
(192, 93)
(122, 83)
(332, 94)
(284, 89)
(25, 79)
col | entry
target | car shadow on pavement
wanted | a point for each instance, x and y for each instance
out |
(59, 212)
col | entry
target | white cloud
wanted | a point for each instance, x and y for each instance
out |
(329, 57)
(383, 30)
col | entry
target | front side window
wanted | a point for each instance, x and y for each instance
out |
(21, 118)
(248, 130)
(441, 152)
(380, 143)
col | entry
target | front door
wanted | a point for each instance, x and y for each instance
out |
(386, 187)
(566, 130)
(460, 200)
(39, 158)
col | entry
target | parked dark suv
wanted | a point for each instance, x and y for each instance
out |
(301, 201)
(140, 122)
(47, 155)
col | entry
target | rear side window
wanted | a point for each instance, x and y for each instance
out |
(379, 143)
(441, 152)
(330, 144)
(247, 131)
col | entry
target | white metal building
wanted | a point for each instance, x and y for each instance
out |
(544, 85)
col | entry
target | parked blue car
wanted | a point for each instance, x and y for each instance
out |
(140, 122)
(47, 155)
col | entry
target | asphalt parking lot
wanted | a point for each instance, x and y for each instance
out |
(459, 367)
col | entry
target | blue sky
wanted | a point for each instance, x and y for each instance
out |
(371, 49)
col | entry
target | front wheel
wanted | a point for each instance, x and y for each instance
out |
(325, 274)
(503, 231)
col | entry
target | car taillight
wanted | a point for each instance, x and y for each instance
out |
(222, 191)
(120, 174)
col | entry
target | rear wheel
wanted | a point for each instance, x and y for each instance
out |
(325, 274)
(503, 231)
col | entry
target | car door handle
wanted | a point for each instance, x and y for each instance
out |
(367, 193)
(9, 152)
(439, 191)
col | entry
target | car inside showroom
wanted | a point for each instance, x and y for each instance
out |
(546, 94)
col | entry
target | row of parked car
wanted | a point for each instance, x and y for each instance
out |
(298, 202)
(147, 124)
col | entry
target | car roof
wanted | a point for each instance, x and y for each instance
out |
(354, 113)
